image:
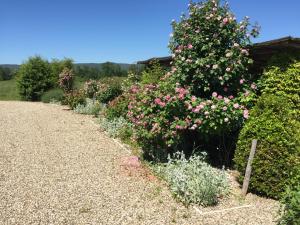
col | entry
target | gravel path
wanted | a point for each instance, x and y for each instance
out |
(57, 167)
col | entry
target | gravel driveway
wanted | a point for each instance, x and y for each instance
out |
(57, 167)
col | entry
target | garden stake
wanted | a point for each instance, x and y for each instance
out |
(248, 169)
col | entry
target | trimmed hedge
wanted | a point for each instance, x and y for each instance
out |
(274, 121)
(277, 131)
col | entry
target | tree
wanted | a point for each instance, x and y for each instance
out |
(34, 78)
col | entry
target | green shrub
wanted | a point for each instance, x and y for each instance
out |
(34, 78)
(117, 107)
(274, 125)
(193, 180)
(284, 81)
(153, 73)
(74, 98)
(291, 206)
(208, 91)
(109, 93)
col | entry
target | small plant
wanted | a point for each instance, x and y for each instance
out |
(114, 127)
(90, 108)
(74, 98)
(193, 180)
(291, 206)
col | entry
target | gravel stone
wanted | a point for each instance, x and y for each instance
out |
(57, 167)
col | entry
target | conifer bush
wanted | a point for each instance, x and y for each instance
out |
(275, 122)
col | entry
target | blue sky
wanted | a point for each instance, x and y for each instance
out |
(116, 30)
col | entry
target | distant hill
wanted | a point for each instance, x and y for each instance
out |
(10, 66)
(124, 66)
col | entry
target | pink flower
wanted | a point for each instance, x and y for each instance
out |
(241, 81)
(226, 120)
(224, 108)
(206, 113)
(214, 94)
(220, 97)
(231, 97)
(236, 106)
(190, 46)
(225, 20)
(246, 114)
(244, 51)
(253, 86)
(168, 97)
(157, 101)
(194, 98)
(225, 89)
(247, 93)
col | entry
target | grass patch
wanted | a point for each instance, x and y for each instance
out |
(9, 90)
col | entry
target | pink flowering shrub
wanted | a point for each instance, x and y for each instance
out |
(91, 87)
(66, 80)
(208, 91)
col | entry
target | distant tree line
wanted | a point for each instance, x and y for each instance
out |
(6, 73)
(107, 69)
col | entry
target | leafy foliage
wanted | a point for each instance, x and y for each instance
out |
(108, 93)
(291, 206)
(153, 73)
(275, 123)
(115, 127)
(90, 108)
(34, 78)
(208, 91)
(6, 73)
(193, 180)
(53, 94)
(117, 107)
(277, 130)
(74, 98)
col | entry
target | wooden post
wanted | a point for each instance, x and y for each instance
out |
(248, 169)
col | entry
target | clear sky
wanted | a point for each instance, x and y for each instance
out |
(116, 30)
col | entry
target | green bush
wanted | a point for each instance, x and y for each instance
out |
(74, 98)
(153, 73)
(206, 94)
(274, 121)
(276, 128)
(34, 78)
(53, 94)
(291, 206)
(110, 93)
(117, 107)
(193, 180)
(283, 81)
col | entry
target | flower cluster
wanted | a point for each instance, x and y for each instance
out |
(91, 87)
(208, 89)
(66, 79)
